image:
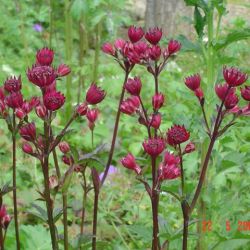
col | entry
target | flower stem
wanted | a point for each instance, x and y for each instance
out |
(1, 229)
(65, 222)
(95, 213)
(111, 152)
(182, 171)
(14, 181)
(185, 212)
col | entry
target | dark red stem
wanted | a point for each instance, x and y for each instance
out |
(95, 213)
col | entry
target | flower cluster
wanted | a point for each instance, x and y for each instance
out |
(145, 51)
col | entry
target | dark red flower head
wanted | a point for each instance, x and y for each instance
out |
(157, 101)
(233, 76)
(155, 52)
(13, 84)
(245, 93)
(41, 111)
(28, 131)
(63, 70)
(92, 115)
(130, 105)
(173, 47)
(223, 90)
(68, 160)
(1, 94)
(119, 44)
(53, 100)
(129, 162)
(45, 57)
(41, 76)
(193, 82)
(231, 100)
(27, 148)
(155, 121)
(6, 221)
(108, 49)
(133, 86)
(190, 147)
(82, 109)
(177, 134)
(154, 35)
(3, 212)
(154, 146)
(14, 100)
(95, 94)
(64, 147)
(135, 34)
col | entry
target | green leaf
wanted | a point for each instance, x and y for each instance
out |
(42, 214)
(189, 46)
(199, 22)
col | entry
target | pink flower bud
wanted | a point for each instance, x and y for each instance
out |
(20, 113)
(63, 70)
(92, 115)
(190, 147)
(14, 100)
(77, 168)
(45, 57)
(155, 121)
(222, 90)
(53, 181)
(108, 49)
(68, 160)
(41, 111)
(2, 94)
(3, 212)
(13, 84)
(130, 105)
(28, 131)
(173, 47)
(177, 134)
(133, 86)
(135, 34)
(27, 148)
(119, 44)
(233, 76)
(245, 93)
(199, 93)
(231, 100)
(130, 163)
(95, 94)
(53, 100)
(155, 52)
(193, 82)
(6, 221)
(154, 35)
(82, 109)
(154, 146)
(157, 101)
(64, 147)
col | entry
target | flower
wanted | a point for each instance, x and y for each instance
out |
(135, 34)
(45, 56)
(63, 70)
(28, 131)
(177, 134)
(68, 160)
(14, 100)
(154, 35)
(1, 93)
(64, 147)
(233, 76)
(119, 44)
(154, 146)
(133, 86)
(53, 100)
(13, 84)
(157, 101)
(3, 212)
(155, 52)
(223, 90)
(130, 105)
(112, 171)
(41, 76)
(129, 162)
(27, 148)
(199, 93)
(190, 147)
(41, 111)
(169, 169)
(82, 109)
(38, 27)
(108, 49)
(245, 93)
(231, 100)
(95, 94)
(6, 221)
(193, 82)
(92, 115)
(53, 181)
(173, 47)
(155, 121)
(20, 113)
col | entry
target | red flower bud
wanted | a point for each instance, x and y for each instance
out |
(190, 147)
(222, 90)
(63, 70)
(64, 147)
(245, 93)
(1, 94)
(173, 47)
(41, 76)
(155, 121)
(3, 212)
(92, 115)
(199, 93)
(27, 148)
(154, 146)
(45, 56)
(130, 105)
(157, 101)
(133, 86)
(130, 163)
(2, 109)
(119, 44)
(108, 49)
(53, 181)
(233, 76)
(28, 131)
(13, 84)
(41, 111)
(53, 100)
(193, 82)
(231, 100)
(20, 113)
(154, 35)
(135, 34)
(77, 168)
(82, 109)
(68, 160)
(177, 134)
(155, 52)
(95, 94)
(6, 221)
(14, 100)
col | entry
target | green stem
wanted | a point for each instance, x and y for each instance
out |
(14, 181)
(50, 23)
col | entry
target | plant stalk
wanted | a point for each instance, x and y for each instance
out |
(95, 213)
(185, 224)
(65, 222)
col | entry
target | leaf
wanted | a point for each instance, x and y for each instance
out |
(66, 180)
(189, 46)
(93, 153)
(57, 213)
(6, 189)
(199, 22)
(42, 214)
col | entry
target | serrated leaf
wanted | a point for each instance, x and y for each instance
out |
(199, 22)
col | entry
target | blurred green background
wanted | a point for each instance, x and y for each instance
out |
(76, 30)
